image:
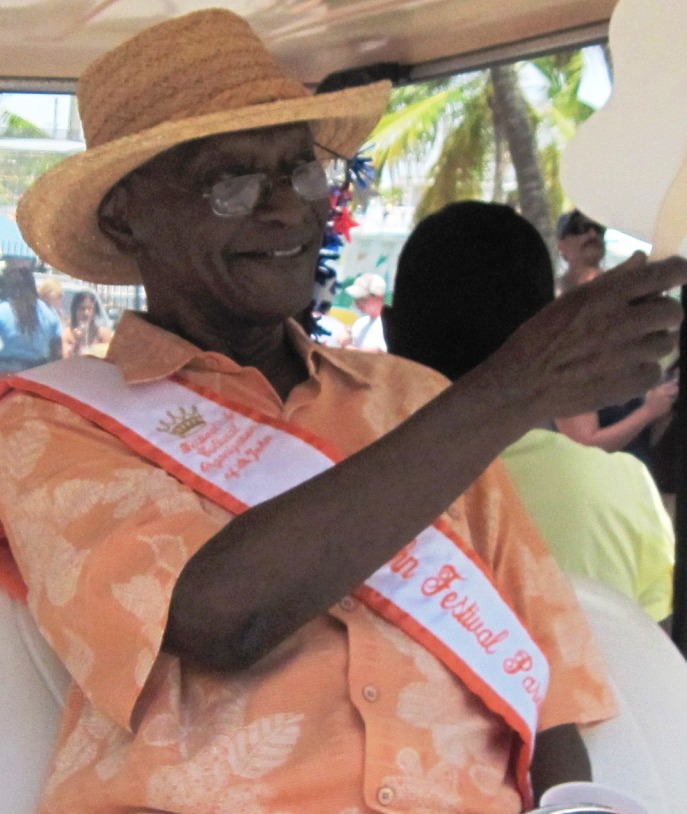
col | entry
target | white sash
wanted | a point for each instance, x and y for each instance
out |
(435, 589)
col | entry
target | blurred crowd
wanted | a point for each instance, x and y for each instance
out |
(39, 324)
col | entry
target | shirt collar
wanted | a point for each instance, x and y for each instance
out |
(312, 353)
(144, 352)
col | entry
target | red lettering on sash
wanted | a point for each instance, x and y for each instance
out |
(404, 563)
(464, 610)
(534, 688)
(522, 662)
(447, 575)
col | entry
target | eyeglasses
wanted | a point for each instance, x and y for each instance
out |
(580, 226)
(238, 194)
(234, 195)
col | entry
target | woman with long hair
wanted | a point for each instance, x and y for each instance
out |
(30, 331)
(86, 325)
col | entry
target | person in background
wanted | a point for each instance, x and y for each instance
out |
(367, 333)
(51, 291)
(468, 277)
(226, 625)
(582, 246)
(30, 330)
(626, 426)
(86, 329)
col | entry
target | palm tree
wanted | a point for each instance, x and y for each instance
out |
(559, 115)
(14, 126)
(471, 129)
(18, 169)
(443, 119)
(513, 114)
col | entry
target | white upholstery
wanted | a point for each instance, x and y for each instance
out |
(33, 684)
(643, 752)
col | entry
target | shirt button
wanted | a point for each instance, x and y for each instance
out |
(370, 692)
(385, 795)
(347, 603)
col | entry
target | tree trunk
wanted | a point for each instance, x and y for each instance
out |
(498, 191)
(513, 115)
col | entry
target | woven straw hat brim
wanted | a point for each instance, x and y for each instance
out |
(58, 214)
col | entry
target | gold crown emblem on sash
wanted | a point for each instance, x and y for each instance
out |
(182, 423)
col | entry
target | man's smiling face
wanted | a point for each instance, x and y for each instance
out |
(257, 267)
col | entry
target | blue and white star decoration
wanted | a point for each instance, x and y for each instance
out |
(356, 173)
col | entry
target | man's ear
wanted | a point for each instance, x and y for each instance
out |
(113, 219)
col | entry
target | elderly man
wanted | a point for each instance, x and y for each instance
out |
(250, 626)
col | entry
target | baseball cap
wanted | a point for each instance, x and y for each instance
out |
(576, 223)
(367, 285)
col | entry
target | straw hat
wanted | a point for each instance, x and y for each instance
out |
(193, 76)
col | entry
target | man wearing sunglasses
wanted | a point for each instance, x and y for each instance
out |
(582, 247)
(626, 426)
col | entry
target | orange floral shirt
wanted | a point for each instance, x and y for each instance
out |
(347, 716)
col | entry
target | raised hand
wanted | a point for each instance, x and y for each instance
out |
(598, 344)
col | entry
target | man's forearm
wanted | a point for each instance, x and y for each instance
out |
(289, 559)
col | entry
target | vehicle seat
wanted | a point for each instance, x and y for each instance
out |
(33, 685)
(642, 752)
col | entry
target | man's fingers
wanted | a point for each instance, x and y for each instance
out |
(648, 376)
(657, 314)
(638, 279)
(633, 265)
(638, 378)
(657, 345)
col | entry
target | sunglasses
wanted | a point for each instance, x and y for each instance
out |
(579, 226)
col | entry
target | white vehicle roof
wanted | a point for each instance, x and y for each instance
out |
(52, 39)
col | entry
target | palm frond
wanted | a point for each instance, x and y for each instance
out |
(14, 126)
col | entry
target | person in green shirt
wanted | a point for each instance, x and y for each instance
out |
(467, 278)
